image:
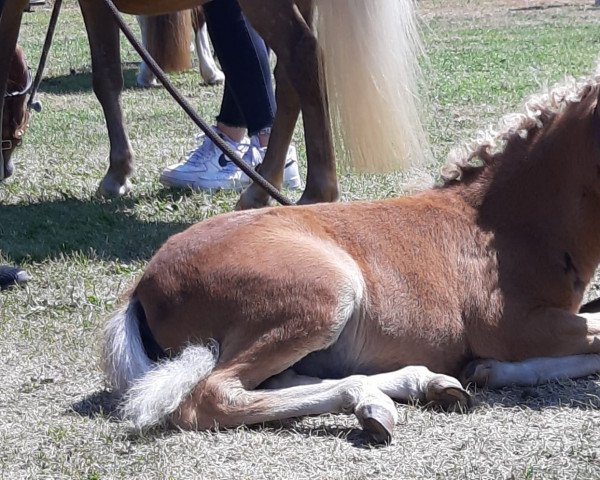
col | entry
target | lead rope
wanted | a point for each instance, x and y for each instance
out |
(32, 103)
(183, 103)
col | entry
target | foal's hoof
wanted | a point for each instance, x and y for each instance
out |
(10, 276)
(448, 393)
(377, 422)
(111, 188)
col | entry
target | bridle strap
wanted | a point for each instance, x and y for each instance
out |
(25, 90)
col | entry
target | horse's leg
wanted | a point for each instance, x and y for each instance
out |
(145, 77)
(535, 371)
(528, 341)
(288, 108)
(103, 35)
(10, 23)
(209, 71)
(283, 26)
(405, 384)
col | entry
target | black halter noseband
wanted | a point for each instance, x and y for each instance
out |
(25, 90)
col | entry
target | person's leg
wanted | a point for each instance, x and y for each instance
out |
(248, 103)
(249, 99)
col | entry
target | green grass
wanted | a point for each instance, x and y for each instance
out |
(84, 253)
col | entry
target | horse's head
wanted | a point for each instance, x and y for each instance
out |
(15, 116)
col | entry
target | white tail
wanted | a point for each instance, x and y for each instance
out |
(370, 51)
(151, 391)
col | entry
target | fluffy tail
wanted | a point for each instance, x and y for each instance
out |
(167, 38)
(150, 391)
(370, 54)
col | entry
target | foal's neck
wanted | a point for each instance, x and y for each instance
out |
(539, 191)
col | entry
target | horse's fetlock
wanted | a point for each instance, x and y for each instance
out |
(353, 390)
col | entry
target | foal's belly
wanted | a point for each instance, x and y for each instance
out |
(371, 352)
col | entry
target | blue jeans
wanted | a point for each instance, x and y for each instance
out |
(248, 99)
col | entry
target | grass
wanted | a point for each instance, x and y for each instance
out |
(84, 253)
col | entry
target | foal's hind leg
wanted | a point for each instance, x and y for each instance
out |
(221, 400)
(285, 28)
(103, 35)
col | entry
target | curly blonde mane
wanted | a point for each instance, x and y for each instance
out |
(539, 111)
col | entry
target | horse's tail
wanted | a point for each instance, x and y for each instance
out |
(167, 38)
(151, 389)
(370, 54)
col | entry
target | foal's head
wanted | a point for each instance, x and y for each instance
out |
(15, 115)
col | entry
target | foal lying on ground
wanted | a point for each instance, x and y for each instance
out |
(263, 315)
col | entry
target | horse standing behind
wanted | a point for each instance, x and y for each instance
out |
(361, 72)
(264, 315)
(167, 38)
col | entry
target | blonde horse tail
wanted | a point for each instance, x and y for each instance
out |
(167, 38)
(370, 51)
(150, 390)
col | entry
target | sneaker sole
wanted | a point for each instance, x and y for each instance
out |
(293, 183)
(201, 185)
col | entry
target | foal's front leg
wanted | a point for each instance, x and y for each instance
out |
(529, 373)
(103, 36)
(547, 345)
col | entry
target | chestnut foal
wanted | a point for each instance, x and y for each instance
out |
(355, 304)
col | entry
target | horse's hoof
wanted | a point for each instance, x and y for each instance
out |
(377, 422)
(10, 276)
(216, 78)
(110, 188)
(448, 393)
(143, 81)
(249, 201)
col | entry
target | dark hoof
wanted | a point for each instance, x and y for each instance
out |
(10, 276)
(378, 424)
(447, 393)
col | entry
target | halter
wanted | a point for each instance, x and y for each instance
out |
(26, 89)
(17, 135)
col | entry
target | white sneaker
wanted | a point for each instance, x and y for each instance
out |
(207, 168)
(291, 175)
